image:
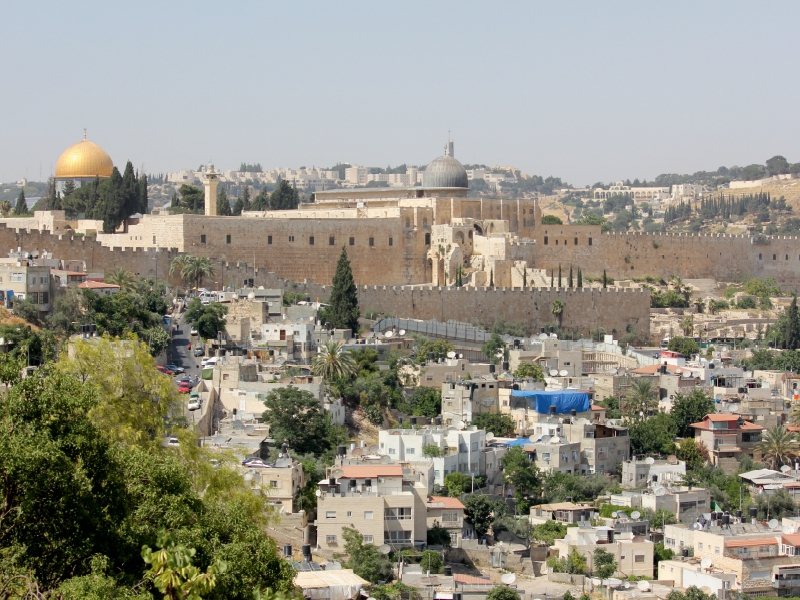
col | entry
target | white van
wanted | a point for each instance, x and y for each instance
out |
(664, 343)
(210, 361)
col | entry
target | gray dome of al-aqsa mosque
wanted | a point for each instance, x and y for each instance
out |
(445, 171)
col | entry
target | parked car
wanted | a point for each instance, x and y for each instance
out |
(194, 404)
(254, 463)
(193, 331)
(176, 369)
(184, 388)
(173, 441)
(165, 370)
(187, 379)
(198, 352)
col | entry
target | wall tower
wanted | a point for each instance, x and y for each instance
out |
(210, 183)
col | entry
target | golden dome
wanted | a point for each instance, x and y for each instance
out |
(84, 160)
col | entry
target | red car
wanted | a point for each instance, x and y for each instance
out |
(184, 388)
(164, 370)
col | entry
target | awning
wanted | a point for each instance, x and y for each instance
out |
(342, 584)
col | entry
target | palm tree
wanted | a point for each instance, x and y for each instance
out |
(558, 310)
(688, 326)
(178, 265)
(333, 362)
(6, 208)
(123, 278)
(778, 447)
(641, 396)
(199, 267)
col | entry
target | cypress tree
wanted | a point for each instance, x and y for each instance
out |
(223, 204)
(570, 276)
(129, 193)
(524, 277)
(245, 198)
(142, 208)
(342, 312)
(559, 275)
(791, 334)
(580, 279)
(551, 278)
(238, 207)
(21, 208)
(605, 280)
(491, 278)
(112, 205)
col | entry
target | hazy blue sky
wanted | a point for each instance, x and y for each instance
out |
(582, 90)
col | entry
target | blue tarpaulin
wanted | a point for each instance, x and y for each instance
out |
(518, 442)
(564, 401)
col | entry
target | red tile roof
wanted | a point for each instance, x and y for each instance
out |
(596, 407)
(771, 541)
(791, 539)
(470, 579)
(97, 285)
(653, 369)
(720, 417)
(362, 471)
(748, 426)
(444, 502)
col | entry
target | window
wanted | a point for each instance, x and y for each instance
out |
(42, 280)
(390, 537)
(330, 539)
(33, 297)
(397, 514)
(427, 239)
(273, 483)
(392, 451)
(331, 241)
(576, 241)
(33, 279)
(759, 257)
(331, 514)
(368, 515)
(545, 240)
(371, 242)
(700, 546)
(436, 474)
(352, 241)
(391, 242)
(17, 278)
(291, 238)
(368, 539)
(590, 241)
(716, 550)
(228, 239)
(311, 240)
(450, 516)
(269, 239)
(774, 256)
(410, 450)
(638, 558)
(349, 513)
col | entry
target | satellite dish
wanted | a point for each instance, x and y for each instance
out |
(384, 548)
(649, 460)
(627, 585)
(787, 529)
(733, 408)
(553, 373)
(372, 449)
(563, 373)
(785, 469)
(534, 439)
(636, 515)
(697, 526)
(672, 459)
(643, 586)
(451, 354)
(357, 452)
(333, 566)
(686, 375)
(401, 332)
(660, 491)
(336, 473)
(251, 296)
(235, 296)
(460, 425)
(706, 563)
(318, 493)
(774, 523)
(546, 438)
(508, 578)
(388, 334)
(489, 436)
(280, 360)
(555, 440)
(385, 459)
(542, 336)
(615, 514)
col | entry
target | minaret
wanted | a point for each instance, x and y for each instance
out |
(210, 183)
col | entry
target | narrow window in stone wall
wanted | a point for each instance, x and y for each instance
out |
(269, 239)
(774, 256)
(291, 238)
(311, 240)
(203, 238)
(759, 257)
(371, 242)
(391, 242)
(576, 241)
(545, 240)
(228, 239)
(427, 239)
(590, 241)
(331, 241)
(352, 241)
(556, 242)
(154, 239)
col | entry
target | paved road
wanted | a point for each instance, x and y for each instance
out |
(183, 357)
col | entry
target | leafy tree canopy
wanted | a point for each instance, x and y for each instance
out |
(685, 345)
(500, 425)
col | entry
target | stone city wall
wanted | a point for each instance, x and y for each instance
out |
(625, 255)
